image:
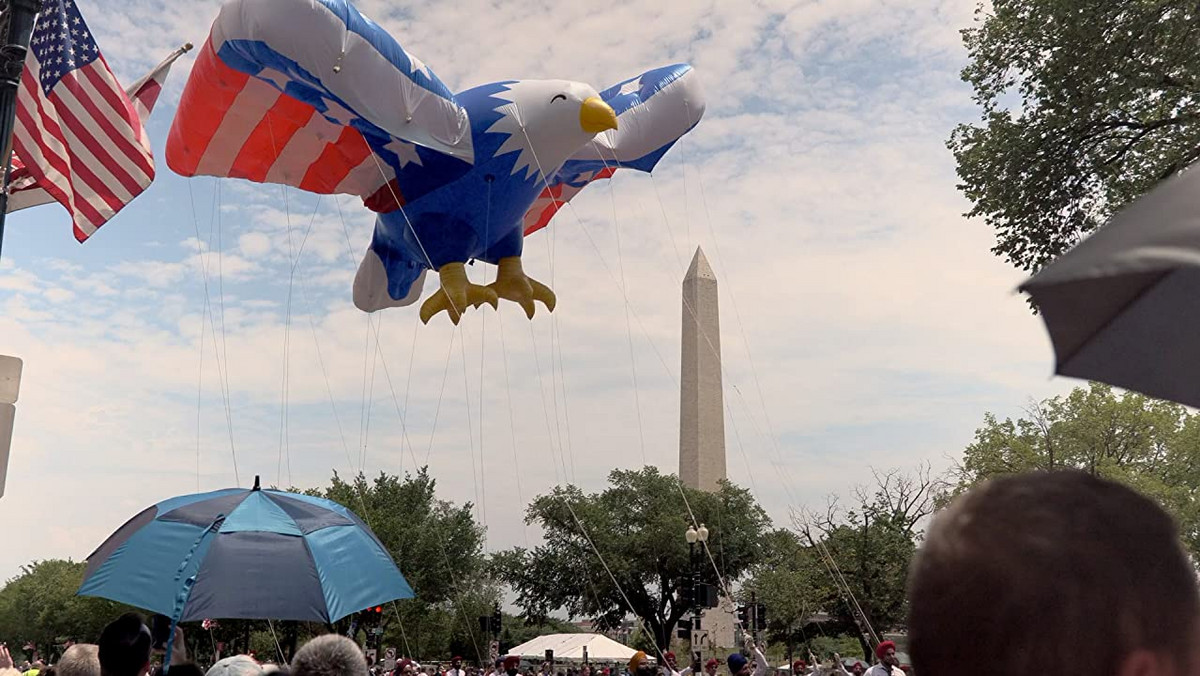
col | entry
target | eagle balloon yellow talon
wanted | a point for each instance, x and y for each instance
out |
(456, 294)
(513, 284)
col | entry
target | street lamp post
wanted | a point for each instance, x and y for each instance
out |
(693, 536)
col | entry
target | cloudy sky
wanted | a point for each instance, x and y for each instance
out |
(865, 323)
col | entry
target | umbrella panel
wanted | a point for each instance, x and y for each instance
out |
(249, 575)
(1151, 346)
(308, 517)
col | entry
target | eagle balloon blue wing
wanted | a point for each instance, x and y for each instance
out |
(654, 110)
(312, 94)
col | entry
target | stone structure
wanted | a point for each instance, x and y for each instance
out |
(701, 407)
(702, 420)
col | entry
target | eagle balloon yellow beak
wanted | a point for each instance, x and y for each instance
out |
(596, 116)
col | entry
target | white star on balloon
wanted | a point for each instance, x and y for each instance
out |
(631, 87)
(275, 77)
(405, 152)
(418, 65)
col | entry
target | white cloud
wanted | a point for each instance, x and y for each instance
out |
(254, 244)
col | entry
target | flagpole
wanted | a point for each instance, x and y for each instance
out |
(21, 15)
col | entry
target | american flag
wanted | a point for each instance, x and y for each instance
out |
(23, 189)
(77, 134)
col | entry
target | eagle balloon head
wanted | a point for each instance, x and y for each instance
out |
(551, 120)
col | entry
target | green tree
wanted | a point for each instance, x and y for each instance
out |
(39, 606)
(851, 565)
(1149, 444)
(1085, 105)
(439, 547)
(637, 525)
(791, 582)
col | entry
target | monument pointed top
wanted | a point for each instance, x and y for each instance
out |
(700, 269)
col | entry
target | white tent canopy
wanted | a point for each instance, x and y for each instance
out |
(569, 647)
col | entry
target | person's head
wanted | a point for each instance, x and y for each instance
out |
(406, 667)
(738, 665)
(857, 669)
(81, 659)
(238, 665)
(711, 666)
(329, 655)
(456, 663)
(512, 664)
(885, 652)
(798, 667)
(639, 664)
(1053, 568)
(124, 647)
(669, 658)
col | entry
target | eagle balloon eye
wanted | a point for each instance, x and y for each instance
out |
(557, 97)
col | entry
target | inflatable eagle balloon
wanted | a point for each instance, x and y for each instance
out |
(311, 94)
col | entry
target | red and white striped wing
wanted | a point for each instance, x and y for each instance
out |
(232, 124)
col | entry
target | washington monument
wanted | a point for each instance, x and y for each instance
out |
(701, 408)
(702, 418)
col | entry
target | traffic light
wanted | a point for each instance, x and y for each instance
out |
(685, 629)
(496, 620)
(760, 616)
(743, 615)
(686, 597)
(708, 596)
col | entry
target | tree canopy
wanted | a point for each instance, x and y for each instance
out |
(39, 606)
(1149, 444)
(637, 525)
(1085, 105)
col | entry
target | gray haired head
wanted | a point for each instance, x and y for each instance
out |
(329, 655)
(81, 659)
(238, 665)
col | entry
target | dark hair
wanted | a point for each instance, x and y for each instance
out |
(1056, 568)
(185, 669)
(124, 646)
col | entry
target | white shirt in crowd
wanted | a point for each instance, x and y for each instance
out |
(884, 670)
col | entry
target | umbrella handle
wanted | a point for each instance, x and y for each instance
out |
(185, 593)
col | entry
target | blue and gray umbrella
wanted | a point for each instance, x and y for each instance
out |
(252, 554)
